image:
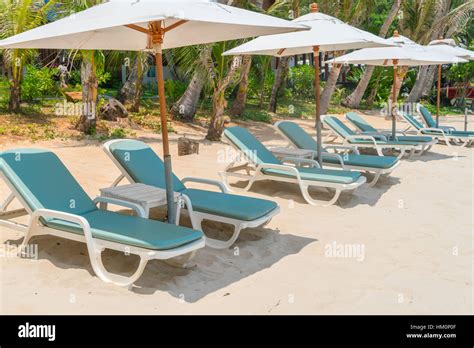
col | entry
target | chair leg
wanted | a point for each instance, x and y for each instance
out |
(104, 275)
(8, 201)
(315, 202)
(375, 179)
(184, 261)
(220, 244)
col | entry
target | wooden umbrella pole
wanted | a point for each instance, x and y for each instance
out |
(394, 98)
(157, 36)
(438, 101)
(317, 90)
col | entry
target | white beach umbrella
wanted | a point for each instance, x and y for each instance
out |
(327, 34)
(448, 47)
(136, 25)
(407, 53)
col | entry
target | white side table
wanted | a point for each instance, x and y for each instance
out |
(147, 197)
(282, 152)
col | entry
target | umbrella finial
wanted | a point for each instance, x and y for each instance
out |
(314, 7)
(440, 37)
(395, 33)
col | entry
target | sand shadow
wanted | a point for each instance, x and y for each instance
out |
(257, 249)
(434, 156)
(363, 195)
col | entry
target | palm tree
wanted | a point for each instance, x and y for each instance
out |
(196, 60)
(450, 18)
(424, 20)
(354, 99)
(353, 12)
(17, 16)
(223, 72)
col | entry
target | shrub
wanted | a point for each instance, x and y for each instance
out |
(39, 83)
(257, 115)
(301, 81)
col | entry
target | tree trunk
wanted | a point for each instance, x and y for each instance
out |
(401, 73)
(280, 76)
(137, 96)
(354, 99)
(131, 91)
(88, 119)
(240, 101)
(329, 88)
(185, 108)
(15, 94)
(127, 91)
(375, 89)
(219, 103)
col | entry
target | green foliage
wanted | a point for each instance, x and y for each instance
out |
(75, 77)
(256, 115)
(118, 133)
(301, 81)
(39, 83)
(174, 90)
(461, 73)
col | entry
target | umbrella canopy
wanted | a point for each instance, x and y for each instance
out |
(326, 34)
(449, 47)
(189, 22)
(406, 53)
(136, 25)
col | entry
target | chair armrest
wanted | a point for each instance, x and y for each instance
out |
(299, 161)
(138, 209)
(336, 156)
(342, 147)
(54, 214)
(358, 137)
(217, 183)
(434, 130)
(290, 169)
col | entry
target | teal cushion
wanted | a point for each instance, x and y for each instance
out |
(360, 123)
(427, 117)
(462, 134)
(413, 121)
(322, 175)
(414, 138)
(44, 182)
(338, 126)
(297, 135)
(250, 145)
(230, 206)
(379, 162)
(130, 230)
(143, 164)
(380, 142)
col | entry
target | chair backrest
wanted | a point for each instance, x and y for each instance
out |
(43, 181)
(142, 164)
(253, 149)
(297, 135)
(412, 120)
(338, 126)
(427, 116)
(360, 123)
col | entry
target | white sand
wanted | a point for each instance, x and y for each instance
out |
(416, 229)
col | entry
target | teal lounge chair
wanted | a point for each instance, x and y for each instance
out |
(58, 206)
(365, 128)
(138, 163)
(430, 122)
(265, 166)
(350, 160)
(379, 143)
(448, 137)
